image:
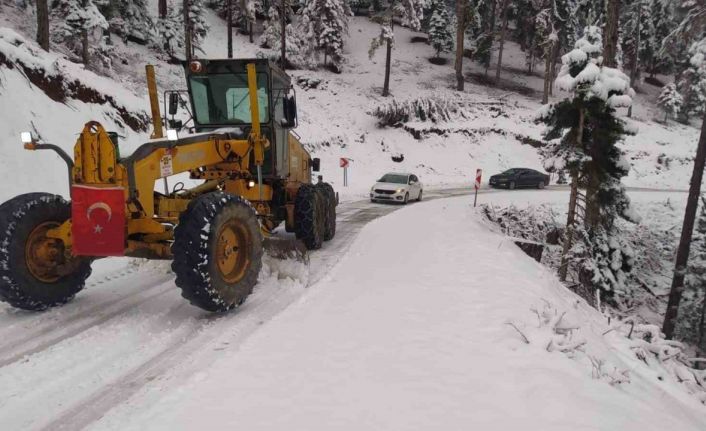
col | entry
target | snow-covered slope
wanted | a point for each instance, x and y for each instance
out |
(410, 331)
(334, 118)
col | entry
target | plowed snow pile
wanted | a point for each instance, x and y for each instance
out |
(428, 323)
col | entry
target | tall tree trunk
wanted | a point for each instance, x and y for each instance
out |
(162, 8)
(229, 26)
(283, 29)
(635, 57)
(549, 54)
(388, 60)
(85, 55)
(43, 24)
(573, 198)
(610, 33)
(700, 350)
(460, 30)
(502, 42)
(188, 51)
(692, 203)
(554, 72)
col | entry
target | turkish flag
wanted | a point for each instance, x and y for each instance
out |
(98, 220)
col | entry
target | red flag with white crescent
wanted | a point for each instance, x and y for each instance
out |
(98, 220)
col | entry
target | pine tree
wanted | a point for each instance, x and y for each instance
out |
(324, 24)
(133, 21)
(670, 101)
(411, 14)
(271, 39)
(170, 30)
(440, 31)
(582, 134)
(692, 84)
(80, 23)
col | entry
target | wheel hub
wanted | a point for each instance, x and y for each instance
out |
(44, 255)
(231, 251)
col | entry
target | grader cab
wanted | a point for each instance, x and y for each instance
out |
(248, 174)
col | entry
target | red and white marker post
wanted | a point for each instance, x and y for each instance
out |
(479, 174)
(344, 164)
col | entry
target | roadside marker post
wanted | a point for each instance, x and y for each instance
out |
(344, 164)
(479, 174)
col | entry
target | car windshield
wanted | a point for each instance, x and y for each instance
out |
(510, 172)
(394, 178)
(224, 98)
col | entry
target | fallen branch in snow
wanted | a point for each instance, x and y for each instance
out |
(524, 337)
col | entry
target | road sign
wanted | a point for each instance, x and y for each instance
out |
(344, 162)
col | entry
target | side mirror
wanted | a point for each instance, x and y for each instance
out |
(316, 164)
(289, 105)
(173, 103)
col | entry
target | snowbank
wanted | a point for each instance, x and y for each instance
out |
(411, 331)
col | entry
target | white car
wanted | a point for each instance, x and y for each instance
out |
(395, 187)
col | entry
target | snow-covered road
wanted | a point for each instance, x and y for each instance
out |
(130, 339)
(131, 327)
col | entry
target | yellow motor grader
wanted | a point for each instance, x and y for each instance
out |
(248, 173)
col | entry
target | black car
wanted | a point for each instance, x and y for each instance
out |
(519, 177)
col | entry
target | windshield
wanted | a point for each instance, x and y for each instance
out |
(224, 98)
(393, 178)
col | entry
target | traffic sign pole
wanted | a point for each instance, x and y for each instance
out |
(479, 174)
(344, 164)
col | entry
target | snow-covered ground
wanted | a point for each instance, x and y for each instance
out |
(409, 331)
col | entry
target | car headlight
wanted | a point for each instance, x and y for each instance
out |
(400, 190)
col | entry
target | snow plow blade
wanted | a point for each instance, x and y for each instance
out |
(286, 248)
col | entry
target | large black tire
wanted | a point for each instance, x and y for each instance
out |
(24, 283)
(419, 198)
(309, 217)
(511, 186)
(406, 199)
(201, 252)
(541, 185)
(329, 210)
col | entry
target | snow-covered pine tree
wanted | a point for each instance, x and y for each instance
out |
(272, 29)
(691, 325)
(440, 30)
(670, 101)
(133, 21)
(658, 59)
(271, 40)
(324, 24)
(80, 25)
(692, 84)
(198, 27)
(582, 133)
(411, 14)
(566, 23)
(170, 30)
